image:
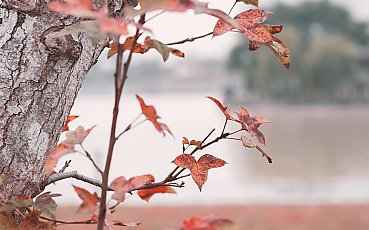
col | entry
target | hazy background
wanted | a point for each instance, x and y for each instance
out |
(319, 109)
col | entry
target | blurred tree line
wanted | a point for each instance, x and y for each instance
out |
(328, 61)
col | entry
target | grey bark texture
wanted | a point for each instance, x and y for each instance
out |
(40, 76)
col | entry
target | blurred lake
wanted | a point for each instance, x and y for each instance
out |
(320, 152)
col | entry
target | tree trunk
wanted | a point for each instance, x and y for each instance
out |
(40, 76)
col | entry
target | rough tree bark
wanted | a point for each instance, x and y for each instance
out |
(40, 76)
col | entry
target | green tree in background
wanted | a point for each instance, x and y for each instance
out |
(326, 42)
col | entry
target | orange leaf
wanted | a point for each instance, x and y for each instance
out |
(69, 119)
(146, 194)
(150, 113)
(199, 170)
(225, 109)
(89, 201)
(55, 154)
(251, 124)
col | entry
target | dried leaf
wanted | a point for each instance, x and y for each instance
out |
(281, 51)
(22, 201)
(150, 113)
(77, 136)
(46, 204)
(247, 142)
(250, 144)
(120, 187)
(7, 222)
(32, 221)
(199, 170)
(251, 124)
(89, 201)
(250, 2)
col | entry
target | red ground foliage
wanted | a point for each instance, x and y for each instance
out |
(251, 217)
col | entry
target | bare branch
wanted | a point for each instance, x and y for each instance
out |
(73, 174)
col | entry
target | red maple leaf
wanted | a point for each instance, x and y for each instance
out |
(251, 124)
(150, 114)
(199, 170)
(224, 109)
(89, 201)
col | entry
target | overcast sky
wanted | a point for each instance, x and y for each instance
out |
(174, 26)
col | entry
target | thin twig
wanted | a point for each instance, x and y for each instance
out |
(66, 165)
(88, 155)
(154, 16)
(198, 37)
(189, 39)
(68, 222)
(73, 174)
(159, 184)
